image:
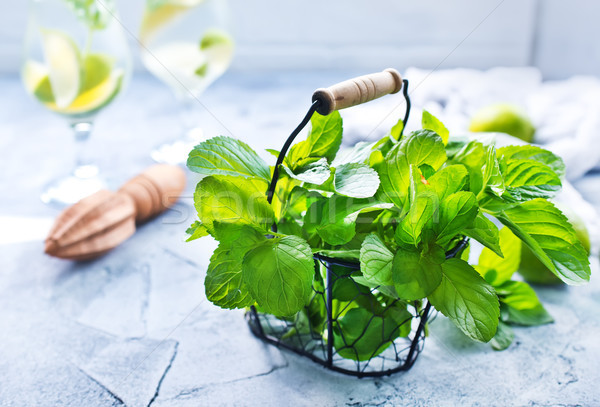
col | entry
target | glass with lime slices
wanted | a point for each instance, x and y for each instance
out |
(187, 45)
(76, 62)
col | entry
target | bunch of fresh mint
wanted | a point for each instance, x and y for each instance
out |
(396, 206)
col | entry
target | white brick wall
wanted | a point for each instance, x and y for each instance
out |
(557, 36)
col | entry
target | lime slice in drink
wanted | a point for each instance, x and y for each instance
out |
(64, 66)
(100, 83)
(217, 46)
(94, 98)
(215, 38)
(96, 70)
(157, 17)
(37, 82)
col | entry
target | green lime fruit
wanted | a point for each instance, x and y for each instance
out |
(503, 118)
(531, 267)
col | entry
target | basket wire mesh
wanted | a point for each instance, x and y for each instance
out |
(324, 342)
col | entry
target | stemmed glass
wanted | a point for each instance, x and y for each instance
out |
(76, 62)
(187, 45)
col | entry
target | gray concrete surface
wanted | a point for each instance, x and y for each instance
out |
(134, 328)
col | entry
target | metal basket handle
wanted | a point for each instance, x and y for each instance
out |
(345, 94)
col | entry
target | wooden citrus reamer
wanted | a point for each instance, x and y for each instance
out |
(102, 221)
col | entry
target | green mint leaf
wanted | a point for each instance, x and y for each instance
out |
(467, 300)
(376, 260)
(227, 156)
(196, 231)
(533, 153)
(550, 237)
(454, 146)
(522, 304)
(483, 166)
(492, 175)
(430, 122)
(324, 139)
(313, 216)
(473, 157)
(424, 147)
(448, 180)
(418, 148)
(337, 219)
(457, 212)
(312, 170)
(348, 255)
(495, 269)
(427, 171)
(360, 154)
(279, 274)
(417, 185)
(289, 226)
(233, 200)
(492, 203)
(402, 316)
(417, 274)
(346, 289)
(503, 338)
(381, 148)
(299, 200)
(360, 335)
(485, 232)
(223, 283)
(356, 180)
(388, 290)
(419, 217)
(397, 128)
(273, 152)
(529, 179)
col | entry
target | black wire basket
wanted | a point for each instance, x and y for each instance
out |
(386, 340)
(400, 341)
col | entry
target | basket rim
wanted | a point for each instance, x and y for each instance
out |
(355, 265)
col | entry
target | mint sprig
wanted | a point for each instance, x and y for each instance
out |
(94, 13)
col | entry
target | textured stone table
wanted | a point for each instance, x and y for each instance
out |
(134, 328)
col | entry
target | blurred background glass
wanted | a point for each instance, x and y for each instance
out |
(76, 62)
(187, 45)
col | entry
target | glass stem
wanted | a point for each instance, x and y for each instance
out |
(84, 168)
(189, 116)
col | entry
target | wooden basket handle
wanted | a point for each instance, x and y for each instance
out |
(356, 91)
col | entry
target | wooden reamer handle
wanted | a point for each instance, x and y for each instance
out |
(154, 190)
(356, 91)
